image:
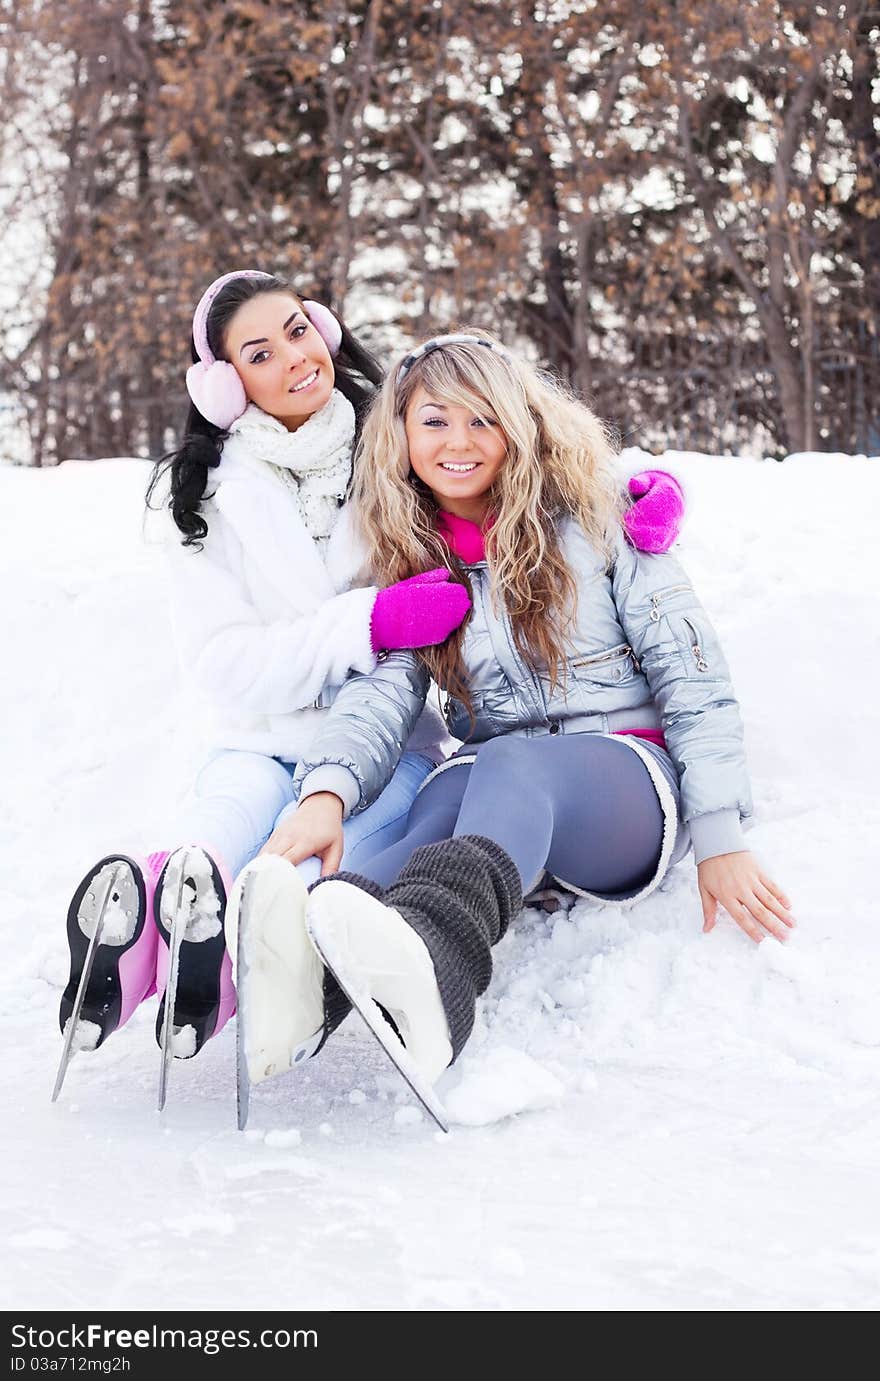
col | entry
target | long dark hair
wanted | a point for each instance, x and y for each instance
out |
(357, 376)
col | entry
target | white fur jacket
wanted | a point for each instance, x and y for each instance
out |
(266, 626)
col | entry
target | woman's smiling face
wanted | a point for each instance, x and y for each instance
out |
(457, 453)
(281, 358)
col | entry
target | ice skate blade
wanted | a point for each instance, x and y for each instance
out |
(76, 1011)
(242, 1077)
(166, 1045)
(372, 1016)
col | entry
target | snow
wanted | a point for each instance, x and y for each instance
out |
(118, 920)
(183, 1042)
(655, 1118)
(86, 1035)
(407, 1116)
(118, 925)
(283, 1137)
(498, 1083)
(197, 891)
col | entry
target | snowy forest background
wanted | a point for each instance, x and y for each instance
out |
(675, 206)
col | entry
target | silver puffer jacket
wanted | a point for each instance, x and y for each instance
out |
(643, 654)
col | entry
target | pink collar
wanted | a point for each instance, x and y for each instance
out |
(464, 538)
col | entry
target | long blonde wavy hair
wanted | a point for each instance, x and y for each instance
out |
(559, 462)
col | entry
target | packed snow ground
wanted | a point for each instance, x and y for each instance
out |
(646, 1118)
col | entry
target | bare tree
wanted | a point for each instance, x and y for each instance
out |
(676, 209)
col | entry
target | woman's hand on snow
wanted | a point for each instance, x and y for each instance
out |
(736, 882)
(314, 829)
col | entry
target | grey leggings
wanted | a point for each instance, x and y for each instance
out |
(579, 806)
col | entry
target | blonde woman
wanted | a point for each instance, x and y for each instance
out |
(601, 736)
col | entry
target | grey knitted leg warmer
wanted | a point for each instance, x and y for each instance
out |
(459, 896)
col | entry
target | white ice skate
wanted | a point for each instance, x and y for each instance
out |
(380, 962)
(279, 979)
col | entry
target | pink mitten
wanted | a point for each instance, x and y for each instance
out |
(654, 521)
(418, 612)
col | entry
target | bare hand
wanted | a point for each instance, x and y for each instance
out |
(753, 900)
(314, 829)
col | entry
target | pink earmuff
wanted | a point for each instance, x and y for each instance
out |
(325, 324)
(214, 385)
(217, 392)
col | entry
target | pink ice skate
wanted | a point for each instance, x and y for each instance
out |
(193, 968)
(113, 943)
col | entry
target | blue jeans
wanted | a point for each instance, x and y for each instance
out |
(239, 797)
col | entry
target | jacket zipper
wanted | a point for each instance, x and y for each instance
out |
(523, 681)
(702, 664)
(612, 655)
(661, 595)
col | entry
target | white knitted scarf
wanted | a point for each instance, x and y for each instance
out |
(314, 461)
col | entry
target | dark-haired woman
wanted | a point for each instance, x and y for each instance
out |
(272, 611)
